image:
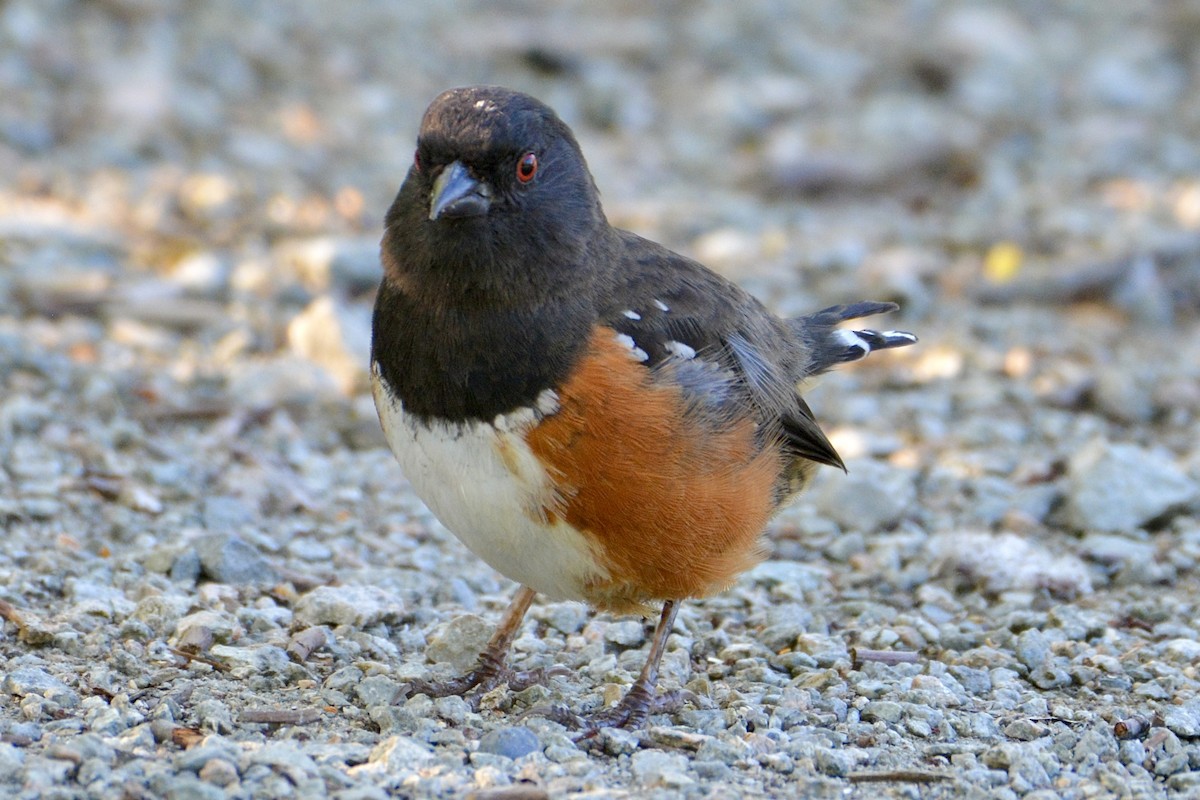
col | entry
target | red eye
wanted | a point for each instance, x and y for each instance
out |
(417, 160)
(527, 168)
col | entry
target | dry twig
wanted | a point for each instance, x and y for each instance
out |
(282, 716)
(859, 656)
(899, 776)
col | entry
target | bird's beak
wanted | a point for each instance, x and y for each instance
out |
(457, 194)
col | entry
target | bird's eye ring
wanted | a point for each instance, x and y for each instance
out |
(527, 167)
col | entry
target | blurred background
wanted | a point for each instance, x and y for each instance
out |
(812, 148)
(195, 190)
(191, 199)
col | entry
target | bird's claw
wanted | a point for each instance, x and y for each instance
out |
(630, 713)
(479, 681)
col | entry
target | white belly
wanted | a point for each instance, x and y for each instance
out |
(484, 484)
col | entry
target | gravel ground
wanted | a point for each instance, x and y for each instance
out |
(214, 577)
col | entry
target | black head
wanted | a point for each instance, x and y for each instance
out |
(498, 204)
(492, 259)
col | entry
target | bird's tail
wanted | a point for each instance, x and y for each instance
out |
(831, 345)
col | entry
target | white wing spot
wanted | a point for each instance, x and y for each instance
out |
(628, 341)
(547, 402)
(485, 105)
(632, 314)
(518, 420)
(905, 335)
(524, 418)
(680, 349)
(661, 305)
(852, 339)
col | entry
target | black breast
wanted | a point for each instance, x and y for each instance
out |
(462, 363)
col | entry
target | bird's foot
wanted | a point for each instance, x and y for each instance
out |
(630, 713)
(492, 670)
(635, 708)
(490, 673)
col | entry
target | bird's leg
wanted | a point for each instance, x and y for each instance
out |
(641, 700)
(491, 671)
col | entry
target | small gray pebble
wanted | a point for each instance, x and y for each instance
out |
(1050, 676)
(566, 617)
(24, 681)
(346, 605)
(1079, 624)
(227, 559)
(463, 594)
(512, 742)
(186, 567)
(1171, 765)
(979, 725)
(194, 759)
(883, 710)
(873, 495)
(29, 731)
(106, 721)
(1116, 486)
(308, 549)
(162, 729)
(344, 680)
(617, 741)
(213, 715)
(224, 513)
(392, 720)
(834, 763)
(1183, 721)
(725, 748)
(1033, 648)
(187, 787)
(453, 709)
(1042, 794)
(785, 623)
(1025, 730)
(1132, 751)
(1116, 549)
(40, 508)
(626, 633)
(1186, 650)
(801, 578)
(362, 793)
(93, 770)
(1098, 742)
(218, 625)
(219, 772)
(376, 690)
(459, 642)
(1184, 782)
(712, 770)
(847, 545)
(1001, 756)
(11, 759)
(400, 754)
(560, 754)
(657, 766)
(975, 680)
(1027, 774)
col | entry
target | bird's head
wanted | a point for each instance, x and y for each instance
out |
(498, 197)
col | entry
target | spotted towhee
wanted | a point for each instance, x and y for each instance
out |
(595, 416)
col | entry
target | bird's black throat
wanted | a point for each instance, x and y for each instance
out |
(465, 363)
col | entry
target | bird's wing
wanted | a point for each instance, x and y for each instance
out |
(717, 341)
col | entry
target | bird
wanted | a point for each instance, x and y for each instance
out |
(595, 416)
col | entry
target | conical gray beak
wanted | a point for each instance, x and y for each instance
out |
(457, 194)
